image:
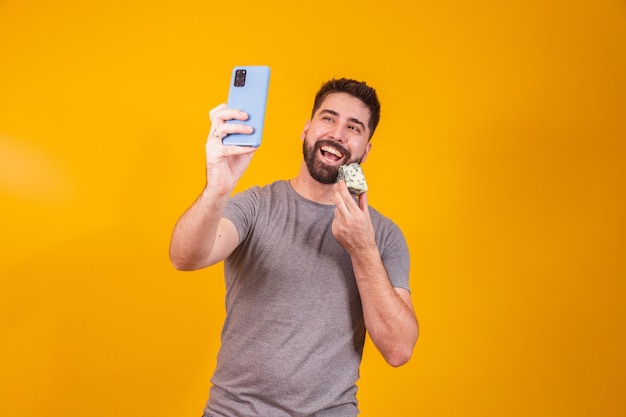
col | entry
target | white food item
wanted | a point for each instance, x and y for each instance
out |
(352, 174)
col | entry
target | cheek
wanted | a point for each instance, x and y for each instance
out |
(363, 151)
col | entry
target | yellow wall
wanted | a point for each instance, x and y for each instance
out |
(501, 154)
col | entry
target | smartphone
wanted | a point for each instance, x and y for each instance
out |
(248, 90)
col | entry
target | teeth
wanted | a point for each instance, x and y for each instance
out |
(333, 151)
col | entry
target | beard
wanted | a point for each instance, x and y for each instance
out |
(320, 172)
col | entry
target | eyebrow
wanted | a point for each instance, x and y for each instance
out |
(351, 119)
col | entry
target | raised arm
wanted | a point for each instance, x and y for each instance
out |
(388, 312)
(201, 237)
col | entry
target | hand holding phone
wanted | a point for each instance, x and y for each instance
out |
(248, 91)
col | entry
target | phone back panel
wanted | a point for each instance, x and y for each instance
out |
(248, 92)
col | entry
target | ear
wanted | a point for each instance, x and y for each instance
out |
(367, 151)
(306, 129)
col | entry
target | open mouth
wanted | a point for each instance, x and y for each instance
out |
(330, 152)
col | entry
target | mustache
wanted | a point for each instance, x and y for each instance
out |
(346, 153)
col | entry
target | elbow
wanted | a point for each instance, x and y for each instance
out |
(185, 265)
(181, 266)
(182, 263)
(402, 352)
(396, 363)
(399, 357)
(178, 264)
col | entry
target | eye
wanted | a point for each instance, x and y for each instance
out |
(355, 128)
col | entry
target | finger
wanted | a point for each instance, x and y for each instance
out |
(239, 150)
(222, 113)
(347, 197)
(363, 202)
(215, 110)
(217, 133)
(345, 201)
(340, 203)
(221, 130)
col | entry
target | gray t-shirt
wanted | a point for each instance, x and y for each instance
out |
(293, 337)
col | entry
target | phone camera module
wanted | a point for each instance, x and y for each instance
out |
(240, 78)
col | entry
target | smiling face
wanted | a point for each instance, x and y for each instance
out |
(338, 134)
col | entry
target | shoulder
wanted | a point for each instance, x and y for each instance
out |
(258, 192)
(258, 199)
(386, 229)
(381, 220)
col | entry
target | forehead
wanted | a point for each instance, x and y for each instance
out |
(346, 106)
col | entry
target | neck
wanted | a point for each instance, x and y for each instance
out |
(311, 189)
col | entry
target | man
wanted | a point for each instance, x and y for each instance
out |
(309, 268)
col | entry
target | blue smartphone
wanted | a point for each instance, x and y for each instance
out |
(248, 90)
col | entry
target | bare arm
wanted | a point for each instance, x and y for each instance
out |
(388, 312)
(201, 237)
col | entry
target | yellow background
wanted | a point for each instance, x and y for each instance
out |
(501, 153)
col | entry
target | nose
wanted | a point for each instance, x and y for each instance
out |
(338, 133)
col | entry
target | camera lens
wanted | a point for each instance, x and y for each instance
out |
(240, 78)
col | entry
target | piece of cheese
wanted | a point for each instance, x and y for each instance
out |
(352, 174)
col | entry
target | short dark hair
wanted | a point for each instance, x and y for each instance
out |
(357, 89)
